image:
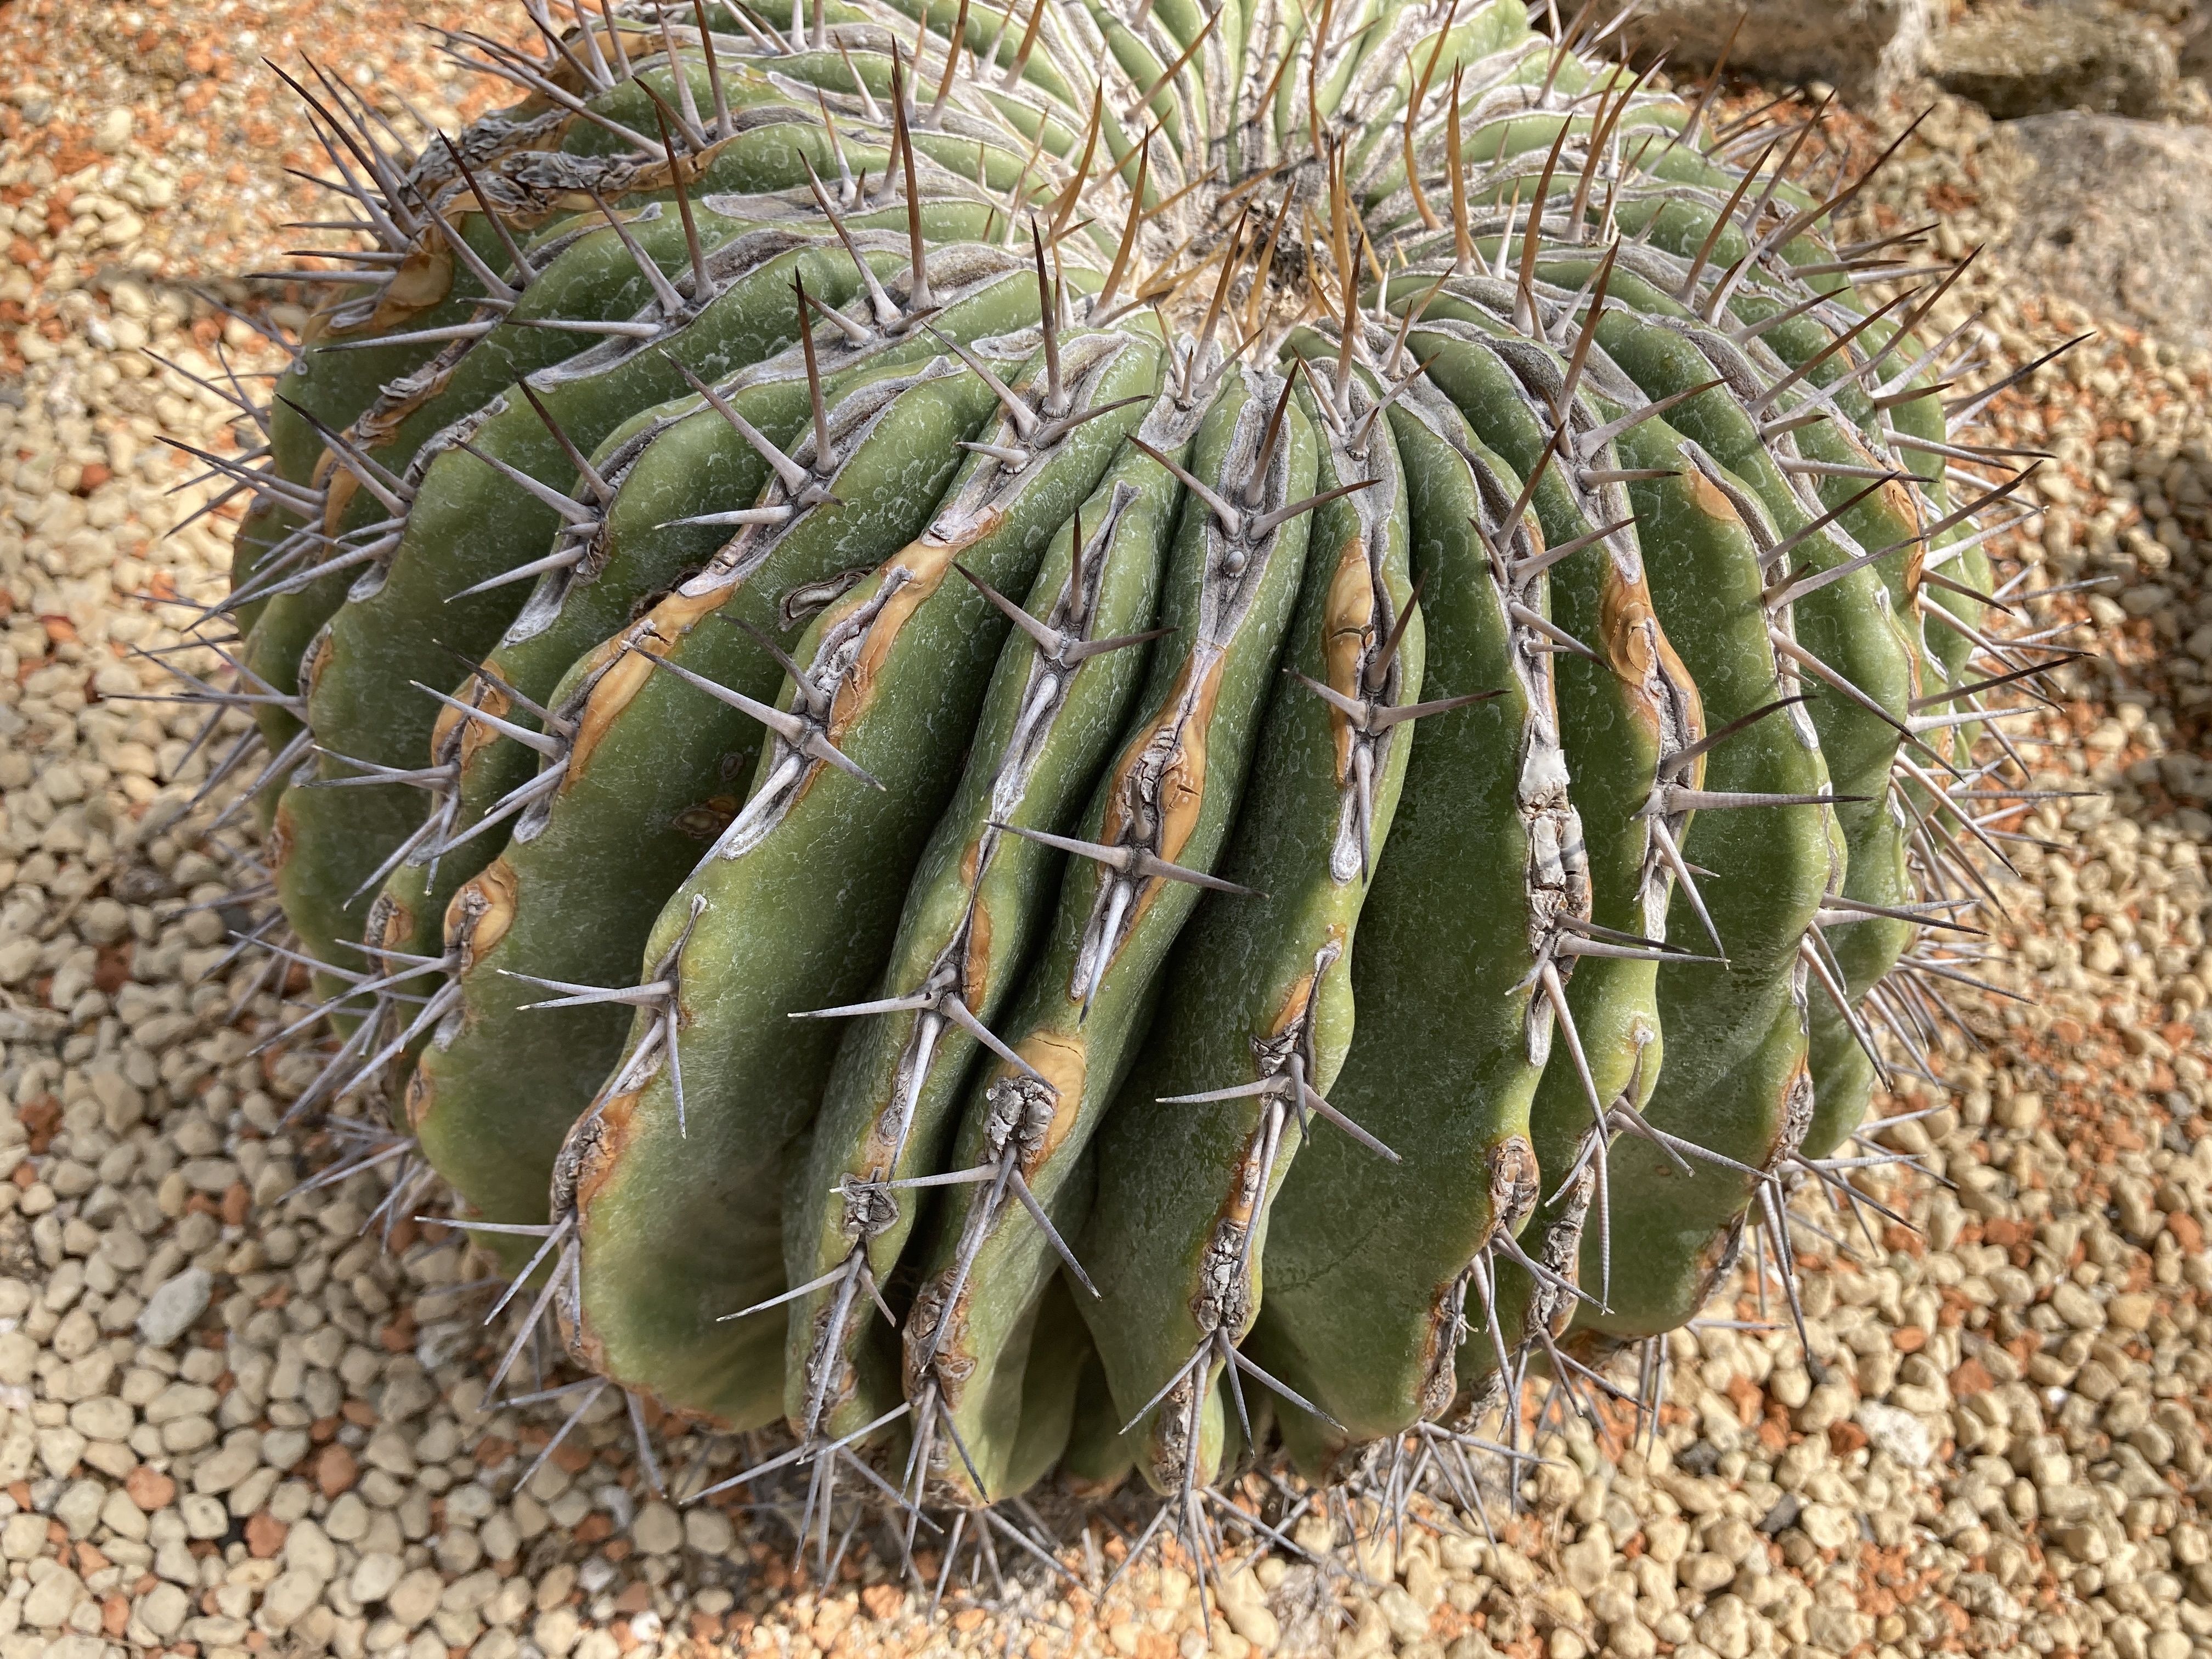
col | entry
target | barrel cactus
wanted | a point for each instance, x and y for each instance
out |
(872, 628)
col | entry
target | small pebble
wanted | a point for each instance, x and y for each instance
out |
(174, 1307)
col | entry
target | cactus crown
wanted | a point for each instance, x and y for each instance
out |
(869, 633)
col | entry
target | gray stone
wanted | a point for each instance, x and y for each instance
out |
(469, 1592)
(170, 1311)
(415, 1597)
(282, 1448)
(289, 1594)
(555, 1631)
(708, 1531)
(1864, 48)
(658, 1530)
(375, 1575)
(220, 1471)
(23, 1536)
(308, 1549)
(162, 1609)
(52, 1599)
(2016, 60)
(2195, 52)
(204, 1516)
(2117, 218)
(104, 1418)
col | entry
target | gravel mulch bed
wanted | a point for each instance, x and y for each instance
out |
(233, 1421)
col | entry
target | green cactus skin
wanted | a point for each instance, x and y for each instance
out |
(922, 644)
(877, 432)
(468, 522)
(573, 607)
(643, 545)
(1165, 800)
(849, 744)
(1717, 1089)
(634, 791)
(1622, 714)
(1362, 1307)
(979, 898)
(1262, 981)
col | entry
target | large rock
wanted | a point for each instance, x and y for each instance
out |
(2018, 59)
(1864, 48)
(2195, 34)
(2117, 218)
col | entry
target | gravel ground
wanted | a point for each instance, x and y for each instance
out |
(233, 1421)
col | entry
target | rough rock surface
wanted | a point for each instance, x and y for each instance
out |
(2118, 217)
(2194, 53)
(1865, 48)
(2017, 59)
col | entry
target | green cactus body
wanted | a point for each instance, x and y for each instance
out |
(1622, 712)
(655, 807)
(470, 522)
(821, 851)
(1167, 799)
(980, 896)
(1734, 1082)
(688, 459)
(1260, 994)
(1444, 1064)
(1008, 588)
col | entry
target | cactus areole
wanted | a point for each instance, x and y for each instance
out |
(1095, 736)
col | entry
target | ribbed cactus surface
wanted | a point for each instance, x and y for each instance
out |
(1083, 734)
